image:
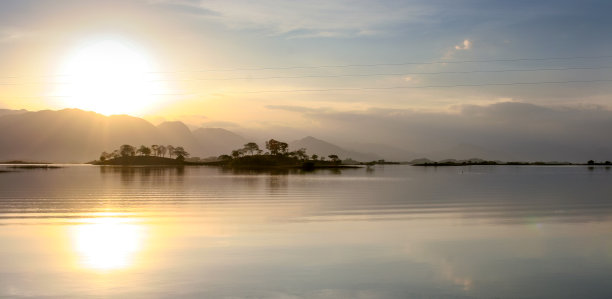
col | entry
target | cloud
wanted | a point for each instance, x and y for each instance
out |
(506, 130)
(307, 19)
(184, 6)
(466, 45)
(300, 109)
(11, 34)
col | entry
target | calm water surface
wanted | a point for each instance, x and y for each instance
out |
(382, 232)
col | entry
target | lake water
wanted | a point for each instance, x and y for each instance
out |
(381, 232)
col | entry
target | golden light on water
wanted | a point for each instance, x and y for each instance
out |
(109, 77)
(107, 243)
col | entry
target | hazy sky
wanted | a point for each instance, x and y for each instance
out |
(281, 65)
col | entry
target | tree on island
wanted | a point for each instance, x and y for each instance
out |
(144, 151)
(180, 153)
(251, 148)
(276, 147)
(170, 149)
(127, 150)
(237, 153)
(225, 157)
(277, 156)
(155, 150)
(104, 156)
(162, 150)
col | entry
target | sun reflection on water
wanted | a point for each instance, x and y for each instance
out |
(107, 243)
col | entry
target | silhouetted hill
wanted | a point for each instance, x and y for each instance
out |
(217, 141)
(324, 148)
(9, 111)
(387, 152)
(142, 160)
(466, 151)
(177, 133)
(73, 135)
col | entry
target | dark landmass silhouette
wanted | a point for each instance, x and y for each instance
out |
(75, 136)
(247, 157)
(324, 148)
(143, 161)
(277, 162)
(476, 161)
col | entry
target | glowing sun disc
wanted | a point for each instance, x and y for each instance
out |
(109, 77)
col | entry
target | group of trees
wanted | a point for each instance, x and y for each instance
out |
(127, 150)
(275, 148)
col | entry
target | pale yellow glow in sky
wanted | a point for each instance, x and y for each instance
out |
(109, 77)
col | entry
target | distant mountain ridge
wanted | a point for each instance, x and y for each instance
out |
(324, 148)
(76, 136)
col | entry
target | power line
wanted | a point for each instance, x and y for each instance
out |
(428, 86)
(394, 74)
(401, 63)
(348, 75)
(360, 65)
(356, 88)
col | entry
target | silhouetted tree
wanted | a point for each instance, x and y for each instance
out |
(237, 153)
(144, 151)
(591, 162)
(162, 150)
(179, 151)
(104, 156)
(315, 157)
(276, 147)
(170, 149)
(334, 158)
(224, 157)
(115, 154)
(251, 148)
(301, 154)
(127, 150)
(155, 149)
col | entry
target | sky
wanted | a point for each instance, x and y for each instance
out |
(412, 74)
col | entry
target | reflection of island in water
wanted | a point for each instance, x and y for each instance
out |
(144, 174)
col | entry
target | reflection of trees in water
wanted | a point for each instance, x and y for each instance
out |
(279, 171)
(277, 182)
(276, 179)
(146, 174)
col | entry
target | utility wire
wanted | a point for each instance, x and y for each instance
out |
(354, 88)
(346, 75)
(361, 65)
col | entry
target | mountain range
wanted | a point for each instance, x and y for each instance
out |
(77, 136)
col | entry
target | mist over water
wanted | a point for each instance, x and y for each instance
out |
(378, 232)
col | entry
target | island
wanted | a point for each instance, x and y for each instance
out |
(250, 156)
(476, 161)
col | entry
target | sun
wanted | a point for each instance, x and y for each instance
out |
(109, 77)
